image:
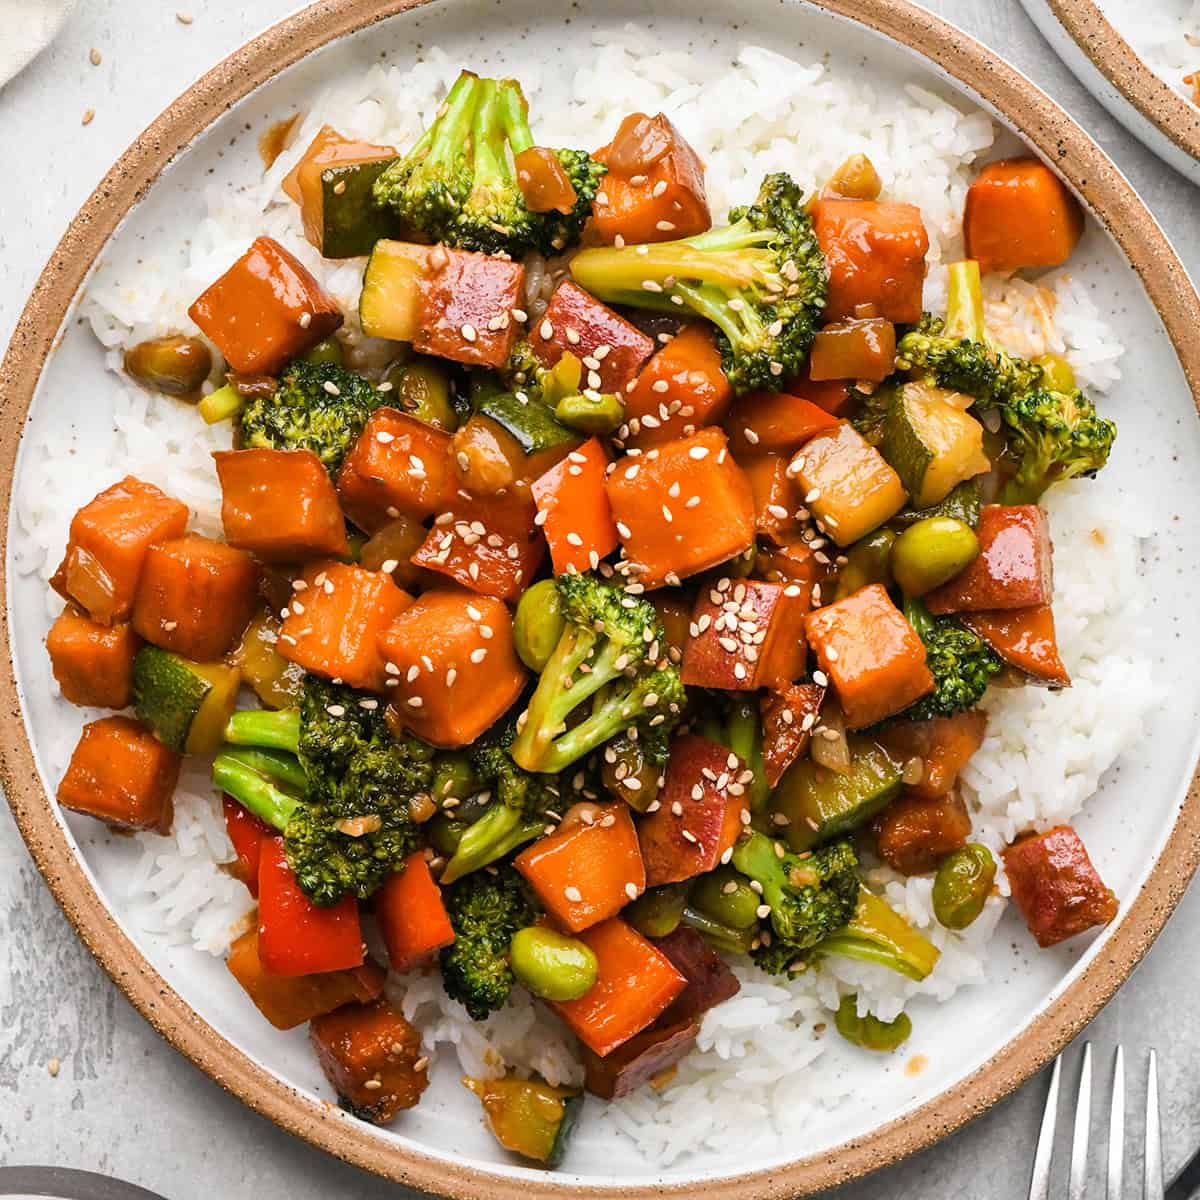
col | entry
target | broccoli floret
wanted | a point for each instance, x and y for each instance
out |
(810, 895)
(316, 406)
(485, 909)
(961, 662)
(1055, 436)
(609, 654)
(761, 280)
(347, 824)
(458, 184)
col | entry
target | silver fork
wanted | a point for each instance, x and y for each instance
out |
(1152, 1172)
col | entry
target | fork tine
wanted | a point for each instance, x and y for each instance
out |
(1039, 1185)
(1116, 1128)
(1152, 1182)
(1083, 1128)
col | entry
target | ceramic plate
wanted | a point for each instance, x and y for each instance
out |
(1122, 65)
(1144, 830)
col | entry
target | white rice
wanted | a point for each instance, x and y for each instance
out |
(1165, 35)
(1045, 752)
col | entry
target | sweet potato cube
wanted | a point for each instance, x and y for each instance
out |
(121, 774)
(635, 983)
(280, 505)
(334, 623)
(875, 252)
(461, 543)
(701, 810)
(846, 483)
(640, 1059)
(681, 389)
(788, 716)
(871, 655)
(944, 745)
(777, 496)
(92, 663)
(195, 597)
(398, 467)
(109, 539)
(724, 649)
(290, 1000)
(589, 872)
(1025, 639)
(652, 201)
(576, 322)
(411, 916)
(372, 1057)
(265, 309)
(475, 674)
(914, 833)
(466, 304)
(1014, 568)
(1056, 887)
(577, 521)
(1020, 214)
(774, 423)
(682, 507)
(795, 560)
(709, 980)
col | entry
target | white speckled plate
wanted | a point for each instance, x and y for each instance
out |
(1143, 830)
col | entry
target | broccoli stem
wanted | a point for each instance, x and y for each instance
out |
(275, 730)
(878, 934)
(745, 740)
(254, 791)
(277, 765)
(723, 937)
(450, 128)
(919, 617)
(755, 857)
(497, 833)
(964, 302)
(220, 405)
(487, 139)
(514, 114)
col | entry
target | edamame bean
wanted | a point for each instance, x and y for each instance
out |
(1057, 373)
(538, 624)
(327, 350)
(599, 414)
(421, 388)
(962, 885)
(870, 1032)
(932, 551)
(726, 896)
(176, 365)
(552, 965)
(867, 561)
(657, 912)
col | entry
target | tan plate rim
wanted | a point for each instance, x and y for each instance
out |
(1169, 112)
(1113, 202)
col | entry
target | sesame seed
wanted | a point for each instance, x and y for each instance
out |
(762, 911)
(831, 654)
(170, 626)
(385, 438)
(336, 710)
(413, 672)
(659, 188)
(665, 226)
(698, 452)
(689, 836)
(813, 496)
(623, 529)
(546, 330)
(750, 436)
(477, 656)
(520, 315)
(573, 894)
(468, 332)
(820, 678)
(415, 702)
(666, 512)
(451, 676)
(485, 632)
(650, 285)
(631, 890)
(332, 388)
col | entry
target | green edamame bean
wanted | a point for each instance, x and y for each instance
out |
(421, 388)
(727, 897)
(962, 885)
(867, 561)
(600, 414)
(1057, 373)
(538, 624)
(870, 1032)
(928, 553)
(327, 350)
(552, 965)
(657, 912)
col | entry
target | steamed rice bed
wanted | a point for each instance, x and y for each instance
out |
(766, 1056)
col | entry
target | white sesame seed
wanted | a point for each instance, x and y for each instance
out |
(658, 189)
(631, 890)
(336, 710)
(698, 452)
(477, 656)
(332, 388)
(415, 702)
(650, 285)
(573, 894)
(305, 320)
(546, 330)
(468, 332)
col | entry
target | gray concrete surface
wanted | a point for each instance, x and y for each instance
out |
(122, 1102)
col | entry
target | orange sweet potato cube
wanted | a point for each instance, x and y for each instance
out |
(914, 833)
(120, 773)
(872, 656)
(93, 663)
(576, 322)
(265, 309)
(195, 596)
(775, 422)
(1014, 568)
(777, 496)
(699, 815)
(398, 467)
(466, 306)
(1020, 214)
(1025, 639)
(457, 647)
(588, 872)
(682, 507)
(334, 622)
(788, 717)
(681, 389)
(577, 519)
(462, 543)
(109, 539)
(280, 505)
(725, 649)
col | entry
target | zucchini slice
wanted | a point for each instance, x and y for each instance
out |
(351, 224)
(964, 503)
(390, 304)
(185, 703)
(532, 424)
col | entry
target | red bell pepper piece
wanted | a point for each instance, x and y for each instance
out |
(247, 833)
(411, 915)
